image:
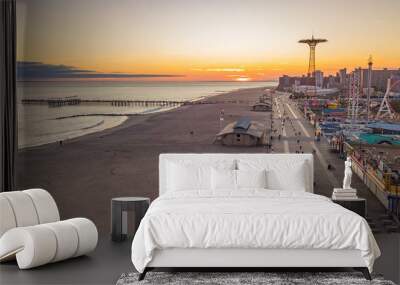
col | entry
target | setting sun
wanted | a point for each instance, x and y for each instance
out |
(243, 79)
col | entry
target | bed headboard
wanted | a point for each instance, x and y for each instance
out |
(165, 157)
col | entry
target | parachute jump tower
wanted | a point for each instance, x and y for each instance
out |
(312, 43)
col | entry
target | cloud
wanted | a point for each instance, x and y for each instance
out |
(220, 69)
(33, 70)
(226, 69)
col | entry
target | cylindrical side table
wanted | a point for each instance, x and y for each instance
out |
(119, 215)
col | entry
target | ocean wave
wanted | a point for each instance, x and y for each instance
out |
(149, 111)
(55, 136)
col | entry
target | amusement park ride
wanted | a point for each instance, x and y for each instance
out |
(359, 107)
(355, 87)
(312, 43)
(385, 109)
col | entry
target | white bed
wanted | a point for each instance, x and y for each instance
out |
(248, 226)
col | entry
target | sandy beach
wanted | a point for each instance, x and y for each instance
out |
(83, 174)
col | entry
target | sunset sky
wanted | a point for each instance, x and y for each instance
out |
(204, 39)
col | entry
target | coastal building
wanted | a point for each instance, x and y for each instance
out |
(319, 78)
(286, 82)
(261, 107)
(379, 78)
(331, 82)
(313, 91)
(342, 77)
(243, 132)
(384, 128)
(265, 98)
(336, 113)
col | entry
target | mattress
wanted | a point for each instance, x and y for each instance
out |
(250, 219)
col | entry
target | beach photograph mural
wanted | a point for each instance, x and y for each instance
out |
(104, 87)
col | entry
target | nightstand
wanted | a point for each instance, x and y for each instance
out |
(358, 205)
(119, 215)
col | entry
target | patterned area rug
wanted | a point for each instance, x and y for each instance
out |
(243, 278)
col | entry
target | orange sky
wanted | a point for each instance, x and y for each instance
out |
(208, 40)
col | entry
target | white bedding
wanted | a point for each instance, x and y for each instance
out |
(251, 218)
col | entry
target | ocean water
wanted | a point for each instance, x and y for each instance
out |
(41, 124)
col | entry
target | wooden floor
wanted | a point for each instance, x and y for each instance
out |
(110, 260)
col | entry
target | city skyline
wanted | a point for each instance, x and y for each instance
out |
(204, 40)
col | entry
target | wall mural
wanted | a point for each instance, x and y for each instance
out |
(104, 87)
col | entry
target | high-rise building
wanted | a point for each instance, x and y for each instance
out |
(379, 78)
(332, 82)
(343, 76)
(395, 83)
(286, 81)
(319, 78)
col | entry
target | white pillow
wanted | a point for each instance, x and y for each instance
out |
(292, 179)
(282, 174)
(188, 177)
(223, 179)
(186, 174)
(251, 178)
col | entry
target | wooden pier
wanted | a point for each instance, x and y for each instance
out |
(60, 102)
(70, 101)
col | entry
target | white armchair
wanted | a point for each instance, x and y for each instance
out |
(31, 230)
